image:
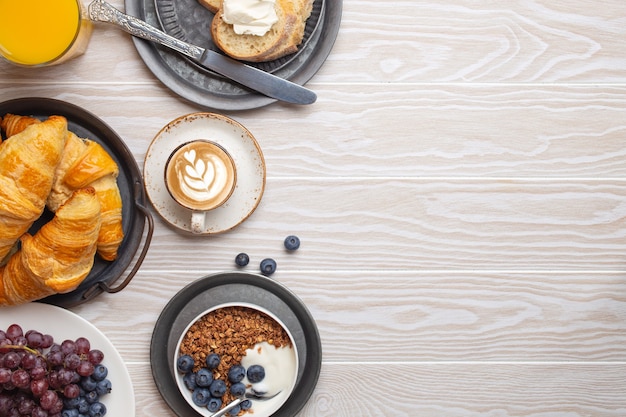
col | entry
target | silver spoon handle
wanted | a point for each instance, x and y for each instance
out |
(226, 409)
(101, 11)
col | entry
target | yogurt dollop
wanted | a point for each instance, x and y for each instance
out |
(280, 366)
(250, 17)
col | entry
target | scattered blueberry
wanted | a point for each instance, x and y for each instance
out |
(217, 388)
(201, 397)
(256, 373)
(204, 377)
(184, 363)
(214, 404)
(292, 242)
(238, 389)
(213, 360)
(242, 259)
(236, 373)
(268, 266)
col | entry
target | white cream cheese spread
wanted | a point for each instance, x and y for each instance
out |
(250, 17)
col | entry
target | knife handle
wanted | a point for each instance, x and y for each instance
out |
(101, 11)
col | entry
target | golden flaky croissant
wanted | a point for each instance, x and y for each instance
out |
(60, 255)
(13, 123)
(85, 163)
(27, 164)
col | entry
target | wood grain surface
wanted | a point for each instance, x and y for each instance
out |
(459, 189)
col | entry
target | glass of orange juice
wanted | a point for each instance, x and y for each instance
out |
(42, 32)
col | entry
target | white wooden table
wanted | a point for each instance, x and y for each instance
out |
(459, 190)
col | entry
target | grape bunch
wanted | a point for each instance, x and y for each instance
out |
(41, 378)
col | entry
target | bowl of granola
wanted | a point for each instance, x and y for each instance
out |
(237, 358)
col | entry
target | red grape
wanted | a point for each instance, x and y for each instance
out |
(38, 387)
(20, 379)
(14, 331)
(95, 356)
(85, 368)
(82, 346)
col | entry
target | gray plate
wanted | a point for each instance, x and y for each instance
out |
(185, 21)
(229, 287)
(212, 91)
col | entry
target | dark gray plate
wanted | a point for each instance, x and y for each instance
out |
(228, 287)
(185, 21)
(212, 91)
(134, 212)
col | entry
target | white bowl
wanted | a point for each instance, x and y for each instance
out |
(283, 371)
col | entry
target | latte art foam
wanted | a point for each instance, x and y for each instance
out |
(200, 175)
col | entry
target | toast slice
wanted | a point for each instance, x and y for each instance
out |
(281, 40)
(290, 45)
(212, 5)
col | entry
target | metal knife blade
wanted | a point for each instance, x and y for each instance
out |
(254, 78)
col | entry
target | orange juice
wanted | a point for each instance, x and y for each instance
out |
(42, 32)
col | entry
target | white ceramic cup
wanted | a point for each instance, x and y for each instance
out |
(200, 175)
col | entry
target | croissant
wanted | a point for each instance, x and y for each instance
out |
(13, 123)
(87, 163)
(27, 164)
(60, 255)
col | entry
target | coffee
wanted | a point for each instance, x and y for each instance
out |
(200, 175)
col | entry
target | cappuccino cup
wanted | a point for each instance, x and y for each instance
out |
(200, 176)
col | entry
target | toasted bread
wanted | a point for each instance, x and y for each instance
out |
(212, 5)
(281, 40)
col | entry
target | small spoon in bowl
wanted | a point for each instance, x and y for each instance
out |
(257, 396)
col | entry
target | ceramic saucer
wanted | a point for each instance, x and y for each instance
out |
(241, 145)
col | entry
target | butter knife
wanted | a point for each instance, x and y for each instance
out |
(254, 78)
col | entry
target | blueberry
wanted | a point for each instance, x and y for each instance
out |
(292, 242)
(256, 373)
(218, 388)
(204, 377)
(201, 397)
(245, 404)
(238, 389)
(88, 384)
(236, 373)
(71, 403)
(92, 397)
(97, 410)
(184, 363)
(268, 266)
(99, 372)
(103, 387)
(83, 405)
(235, 410)
(214, 404)
(71, 412)
(213, 360)
(190, 381)
(242, 259)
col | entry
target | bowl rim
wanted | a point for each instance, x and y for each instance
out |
(186, 393)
